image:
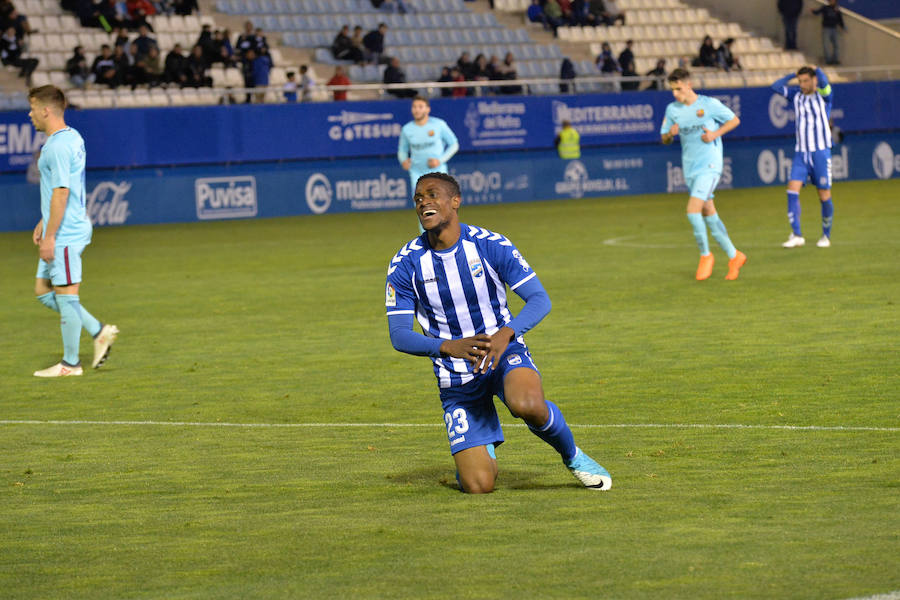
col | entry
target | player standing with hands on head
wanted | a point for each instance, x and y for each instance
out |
(63, 232)
(426, 143)
(453, 279)
(701, 121)
(812, 151)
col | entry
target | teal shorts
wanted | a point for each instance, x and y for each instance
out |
(702, 185)
(65, 269)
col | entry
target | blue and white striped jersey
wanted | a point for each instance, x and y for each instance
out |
(458, 292)
(811, 113)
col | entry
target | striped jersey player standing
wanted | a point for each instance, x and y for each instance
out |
(426, 143)
(812, 152)
(63, 232)
(452, 279)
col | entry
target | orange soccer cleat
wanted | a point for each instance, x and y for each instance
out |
(704, 269)
(735, 264)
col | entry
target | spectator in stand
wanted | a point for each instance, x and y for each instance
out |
(196, 69)
(18, 21)
(606, 62)
(205, 41)
(339, 78)
(104, 67)
(831, 20)
(553, 15)
(725, 59)
(627, 54)
(535, 13)
(629, 71)
(262, 65)
(121, 38)
(11, 54)
(482, 69)
(608, 66)
(612, 13)
(110, 15)
(510, 73)
(566, 7)
(163, 7)
(153, 68)
(342, 47)
(289, 89)
(446, 92)
(567, 72)
(247, 72)
(77, 69)
(143, 41)
(790, 13)
(707, 55)
(595, 13)
(394, 74)
(307, 83)
(139, 10)
(185, 7)
(357, 39)
(457, 76)
(373, 43)
(246, 41)
(222, 40)
(123, 65)
(86, 13)
(175, 69)
(393, 6)
(659, 71)
(261, 41)
(465, 65)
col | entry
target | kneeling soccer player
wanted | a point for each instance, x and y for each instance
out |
(453, 279)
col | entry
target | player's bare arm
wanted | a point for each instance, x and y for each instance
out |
(471, 349)
(668, 138)
(709, 136)
(57, 210)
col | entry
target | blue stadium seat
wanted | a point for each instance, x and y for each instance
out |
(266, 7)
(223, 6)
(292, 38)
(281, 7)
(356, 73)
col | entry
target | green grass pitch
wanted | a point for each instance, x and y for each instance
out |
(129, 482)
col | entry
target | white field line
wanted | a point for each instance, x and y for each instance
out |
(436, 425)
(886, 596)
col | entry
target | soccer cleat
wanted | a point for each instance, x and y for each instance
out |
(102, 342)
(59, 370)
(587, 471)
(824, 242)
(735, 264)
(704, 269)
(795, 241)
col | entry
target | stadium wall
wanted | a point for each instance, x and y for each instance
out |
(261, 133)
(200, 193)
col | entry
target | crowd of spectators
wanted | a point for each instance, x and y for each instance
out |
(130, 14)
(718, 58)
(14, 27)
(553, 14)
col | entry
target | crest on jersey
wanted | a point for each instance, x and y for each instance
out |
(700, 112)
(431, 133)
(476, 268)
(515, 359)
(390, 296)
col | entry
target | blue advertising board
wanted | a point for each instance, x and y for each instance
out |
(260, 133)
(874, 9)
(201, 193)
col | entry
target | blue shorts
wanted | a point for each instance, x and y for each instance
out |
(65, 268)
(469, 411)
(813, 166)
(702, 185)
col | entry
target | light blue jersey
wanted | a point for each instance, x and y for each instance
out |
(61, 164)
(434, 139)
(698, 156)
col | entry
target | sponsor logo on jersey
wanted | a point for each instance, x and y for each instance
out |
(515, 359)
(226, 197)
(390, 296)
(106, 203)
(521, 259)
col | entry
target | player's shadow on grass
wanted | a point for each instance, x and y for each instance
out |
(510, 479)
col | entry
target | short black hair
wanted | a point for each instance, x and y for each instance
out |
(678, 74)
(447, 179)
(806, 71)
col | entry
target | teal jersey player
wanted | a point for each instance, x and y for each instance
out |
(62, 164)
(426, 143)
(63, 232)
(700, 122)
